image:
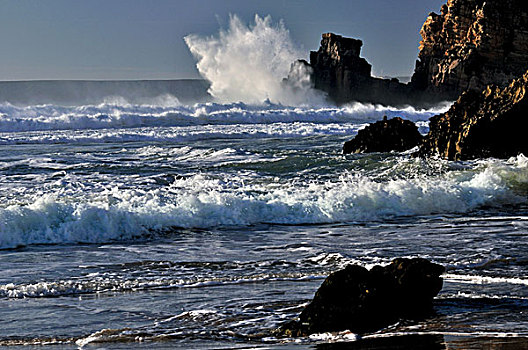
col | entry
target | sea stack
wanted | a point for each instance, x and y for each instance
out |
(340, 71)
(338, 68)
(471, 44)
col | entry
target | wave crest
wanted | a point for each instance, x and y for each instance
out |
(71, 215)
(117, 113)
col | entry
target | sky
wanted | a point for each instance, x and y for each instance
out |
(143, 39)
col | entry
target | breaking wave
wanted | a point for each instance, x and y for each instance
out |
(118, 113)
(74, 212)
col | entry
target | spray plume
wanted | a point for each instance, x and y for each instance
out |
(249, 63)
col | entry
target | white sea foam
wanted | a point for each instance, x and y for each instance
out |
(475, 334)
(473, 279)
(125, 116)
(468, 295)
(248, 64)
(70, 212)
(109, 283)
(345, 336)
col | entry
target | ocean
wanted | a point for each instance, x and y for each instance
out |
(171, 220)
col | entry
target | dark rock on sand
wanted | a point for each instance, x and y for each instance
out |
(491, 123)
(360, 300)
(395, 134)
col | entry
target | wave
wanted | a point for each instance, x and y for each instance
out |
(248, 63)
(118, 114)
(102, 285)
(75, 212)
(182, 134)
(473, 279)
(139, 276)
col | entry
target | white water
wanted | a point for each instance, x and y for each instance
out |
(469, 279)
(248, 64)
(118, 114)
(96, 284)
(72, 210)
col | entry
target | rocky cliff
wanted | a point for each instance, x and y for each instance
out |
(471, 44)
(491, 123)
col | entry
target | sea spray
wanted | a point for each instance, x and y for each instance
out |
(249, 64)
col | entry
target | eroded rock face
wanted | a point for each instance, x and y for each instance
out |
(471, 44)
(491, 123)
(338, 69)
(360, 300)
(395, 134)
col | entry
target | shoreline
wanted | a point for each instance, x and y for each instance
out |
(396, 341)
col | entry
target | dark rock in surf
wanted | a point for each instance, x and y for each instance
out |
(360, 300)
(491, 123)
(395, 134)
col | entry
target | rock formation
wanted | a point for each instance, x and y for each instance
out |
(339, 70)
(396, 134)
(491, 123)
(360, 300)
(471, 44)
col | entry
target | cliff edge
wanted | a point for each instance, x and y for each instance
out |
(491, 123)
(472, 44)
